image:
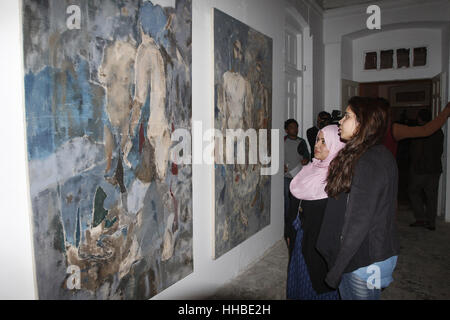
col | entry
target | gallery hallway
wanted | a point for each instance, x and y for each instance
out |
(422, 271)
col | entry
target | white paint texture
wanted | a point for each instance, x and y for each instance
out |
(135, 196)
(72, 158)
(236, 100)
(164, 3)
(150, 71)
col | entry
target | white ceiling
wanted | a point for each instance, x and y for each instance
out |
(332, 4)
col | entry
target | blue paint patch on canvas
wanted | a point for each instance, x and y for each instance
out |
(40, 125)
(72, 114)
(153, 20)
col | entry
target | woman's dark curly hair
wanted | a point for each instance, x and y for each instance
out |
(372, 123)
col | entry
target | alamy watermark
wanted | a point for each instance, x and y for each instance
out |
(374, 280)
(208, 147)
(374, 21)
(74, 279)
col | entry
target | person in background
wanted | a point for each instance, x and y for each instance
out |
(296, 155)
(397, 131)
(358, 237)
(307, 268)
(336, 116)
(323, 119)
(425, 170)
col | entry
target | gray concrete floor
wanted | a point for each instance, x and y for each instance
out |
(422, 272)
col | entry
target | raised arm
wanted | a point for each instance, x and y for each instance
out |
(400, 131)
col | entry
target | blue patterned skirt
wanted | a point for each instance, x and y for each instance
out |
(299, 285)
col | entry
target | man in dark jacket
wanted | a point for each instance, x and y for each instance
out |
(425, 171)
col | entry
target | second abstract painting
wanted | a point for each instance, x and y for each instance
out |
(243, 101)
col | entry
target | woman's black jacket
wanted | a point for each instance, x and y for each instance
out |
(360, 228)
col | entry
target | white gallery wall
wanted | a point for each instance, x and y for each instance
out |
(347, 59)
(316, 22)
(351, 22)
(405, 38)
(16, 268)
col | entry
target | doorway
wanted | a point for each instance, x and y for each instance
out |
(406, 99)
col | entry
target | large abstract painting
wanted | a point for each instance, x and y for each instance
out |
(243, 101)
(106, 83)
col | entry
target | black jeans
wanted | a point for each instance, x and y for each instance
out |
(424, 183)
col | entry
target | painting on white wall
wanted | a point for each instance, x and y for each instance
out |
(106, 83)
(243, 100)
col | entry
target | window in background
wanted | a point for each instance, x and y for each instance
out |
(420, 57)
(293, 72)
(371, 61)
(403, 58)
(387, 59)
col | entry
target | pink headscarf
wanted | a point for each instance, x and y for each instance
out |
(310, 182)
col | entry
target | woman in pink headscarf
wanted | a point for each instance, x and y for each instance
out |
(307, 268)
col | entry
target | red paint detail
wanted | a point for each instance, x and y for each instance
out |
(141, 137)
(175, 202)
(237, 178)
(174, 169)
(173, 127)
